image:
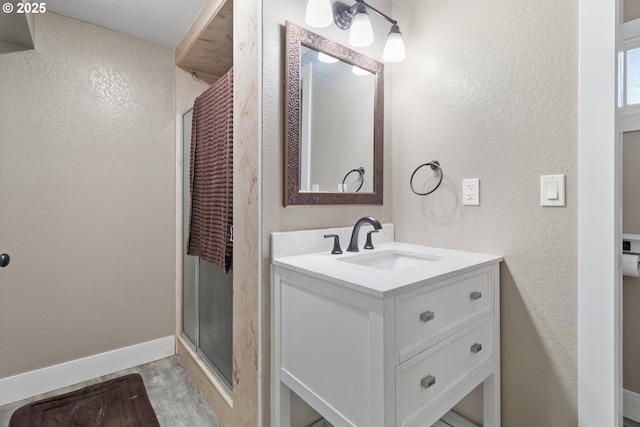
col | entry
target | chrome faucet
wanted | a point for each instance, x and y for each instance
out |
(353, 244)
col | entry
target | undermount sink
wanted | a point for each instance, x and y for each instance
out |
(390, 260)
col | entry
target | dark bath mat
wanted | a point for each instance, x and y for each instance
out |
(121, 402)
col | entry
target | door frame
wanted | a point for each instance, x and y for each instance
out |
(599, 218)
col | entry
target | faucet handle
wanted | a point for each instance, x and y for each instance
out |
(336, 243)
(368, 244)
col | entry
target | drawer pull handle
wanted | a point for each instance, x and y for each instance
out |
(428, 381)
(475, 295)
(476, 348)
(427, 315)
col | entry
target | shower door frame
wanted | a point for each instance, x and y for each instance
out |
(217, 379)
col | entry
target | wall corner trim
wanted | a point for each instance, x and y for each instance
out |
(51, 378)
(600, 230)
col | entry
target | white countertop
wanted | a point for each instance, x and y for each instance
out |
(381, 283)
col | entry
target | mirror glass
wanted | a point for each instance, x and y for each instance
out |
(334, 123)
(336, 138)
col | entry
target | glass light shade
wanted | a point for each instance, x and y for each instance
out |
(359, 71)
(394, 48)
(361, 33)
(319, 13)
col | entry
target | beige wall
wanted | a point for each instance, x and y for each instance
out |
(274, 216)
(631, 10)
(189, 85)
(87, 202)
(489, 88)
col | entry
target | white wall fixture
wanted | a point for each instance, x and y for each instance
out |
(552, 190)
(471, 192)
(356, 18)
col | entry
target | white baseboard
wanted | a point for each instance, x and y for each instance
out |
(631, 408)
(44, 380)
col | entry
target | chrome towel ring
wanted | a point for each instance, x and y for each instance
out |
(435, 165)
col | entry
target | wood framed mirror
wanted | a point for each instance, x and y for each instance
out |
(334, 123)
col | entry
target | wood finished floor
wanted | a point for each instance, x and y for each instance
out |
(175, 399)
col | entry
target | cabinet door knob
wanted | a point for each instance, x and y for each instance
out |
(475, 295)
(428, 381)
(476, 348)
(4, 260)
(427, 315)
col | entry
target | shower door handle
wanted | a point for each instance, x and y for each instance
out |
(4, 260)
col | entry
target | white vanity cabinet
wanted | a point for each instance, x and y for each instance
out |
(367, 347)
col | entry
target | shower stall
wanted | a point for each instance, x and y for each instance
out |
(207, 290)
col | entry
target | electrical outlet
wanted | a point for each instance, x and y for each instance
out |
(471, 192)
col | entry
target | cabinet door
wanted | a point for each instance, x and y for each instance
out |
(332, 355)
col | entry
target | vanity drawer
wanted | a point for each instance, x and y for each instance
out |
(423, 314)
(425, 377)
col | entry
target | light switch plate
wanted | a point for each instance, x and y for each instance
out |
(552, 190)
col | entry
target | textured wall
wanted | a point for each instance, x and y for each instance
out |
(489, 88)
(188, 87)
(87, 201)
(274, 216)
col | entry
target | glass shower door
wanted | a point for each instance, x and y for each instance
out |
(215, 312)
(207, 291)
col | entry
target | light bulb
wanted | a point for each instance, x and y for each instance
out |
(394, 47)
(328, 59)
(318, 13)
(359, 71)
(361, 33)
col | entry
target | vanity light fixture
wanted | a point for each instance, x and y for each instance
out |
(356, 18)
